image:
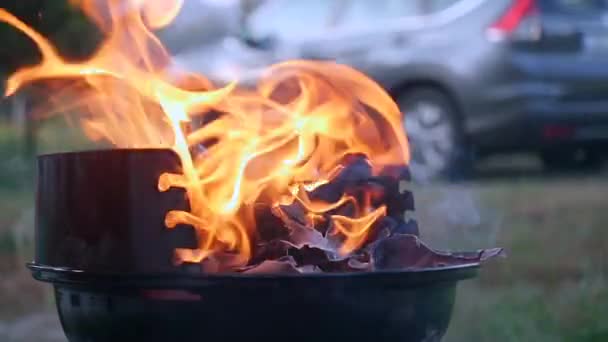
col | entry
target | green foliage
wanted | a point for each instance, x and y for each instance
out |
(64, 25)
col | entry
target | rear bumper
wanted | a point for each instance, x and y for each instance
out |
(535, 123)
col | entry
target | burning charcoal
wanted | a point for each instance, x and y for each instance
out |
(293, 212)
(408, 252)
(382, 229)
(286, 265)
(360, 262)
(391, 177)
(191, 268)
(220, 263)
(272, 250)
(270, 226)
(396, 172)
(301, 235)
(356, 263)
(400, 203)
(308, 256)
(316, 258)
(309, 269)
(375, 191)
(409, 227)
(356, 169)
(336, 267)
(386, 190)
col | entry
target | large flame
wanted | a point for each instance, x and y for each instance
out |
(273, 144)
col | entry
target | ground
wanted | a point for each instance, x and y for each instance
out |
(550, 287)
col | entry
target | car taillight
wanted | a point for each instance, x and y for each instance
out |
(520, 21)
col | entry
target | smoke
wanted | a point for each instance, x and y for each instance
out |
(456, 217)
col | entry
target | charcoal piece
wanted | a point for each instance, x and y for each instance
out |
(269, 226)
(221, 262)
(317, 259)
(401, 252)
(292, 212)
(396, 172)
(286, 265)
(397, 203)
(301, 235)
(381, 229)
(356, 170)
(348, 209)
(360, 262)
(375, 191)
(309, 269)
(337, 266)
(397, 200)
(308, 256)
(409, 227)
(271, 250)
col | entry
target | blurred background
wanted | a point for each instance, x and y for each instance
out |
(506, 107)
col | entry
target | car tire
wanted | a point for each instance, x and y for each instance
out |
(438, 149)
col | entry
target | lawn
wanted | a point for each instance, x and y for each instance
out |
(551, 287)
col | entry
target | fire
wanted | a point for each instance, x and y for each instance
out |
(274, 144)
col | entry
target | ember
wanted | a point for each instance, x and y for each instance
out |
(302, 174)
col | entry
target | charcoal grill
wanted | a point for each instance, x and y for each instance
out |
(102, 243)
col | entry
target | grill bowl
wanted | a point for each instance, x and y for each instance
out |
(378, 306)
(101, 241)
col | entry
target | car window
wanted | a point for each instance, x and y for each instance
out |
(432, 6)
(575, 7)
(365, 13)
(290, 20)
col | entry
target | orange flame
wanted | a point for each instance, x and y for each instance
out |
(277, 142)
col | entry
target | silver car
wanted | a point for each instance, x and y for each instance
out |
(473, 77)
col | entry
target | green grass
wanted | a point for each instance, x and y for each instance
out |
(553, 284)
(18, 292)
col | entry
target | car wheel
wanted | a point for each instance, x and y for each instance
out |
(436, 140)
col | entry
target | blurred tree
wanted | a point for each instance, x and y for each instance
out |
(65, 26)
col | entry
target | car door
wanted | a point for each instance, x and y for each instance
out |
(293, 29)
(360, 33)
(369, 35)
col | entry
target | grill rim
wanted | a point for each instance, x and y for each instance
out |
(406, 277)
